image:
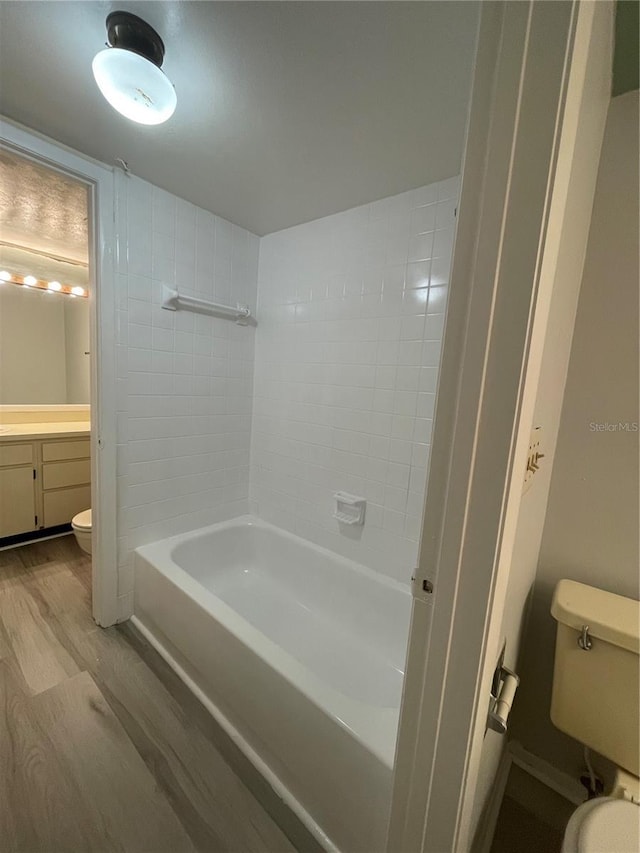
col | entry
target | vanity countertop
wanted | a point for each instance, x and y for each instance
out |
(61, 429)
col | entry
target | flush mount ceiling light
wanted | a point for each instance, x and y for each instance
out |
(128, 72)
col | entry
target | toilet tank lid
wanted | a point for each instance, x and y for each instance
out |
(610, 617)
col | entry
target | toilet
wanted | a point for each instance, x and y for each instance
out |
(81, 524)
(596, 700)
(603, 825)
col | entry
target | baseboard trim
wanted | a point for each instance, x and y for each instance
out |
(33, 536)
(516, 755)
(487, 826)
(560, 782)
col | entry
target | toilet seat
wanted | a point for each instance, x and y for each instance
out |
(603, 825)
(82, 521)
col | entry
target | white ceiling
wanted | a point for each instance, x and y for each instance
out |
(287, 111)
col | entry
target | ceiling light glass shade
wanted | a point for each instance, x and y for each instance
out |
(134, 86)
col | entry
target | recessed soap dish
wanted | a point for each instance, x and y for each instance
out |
(349, 508)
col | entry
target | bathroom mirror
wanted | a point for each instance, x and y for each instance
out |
(44, 280)
(44, 347)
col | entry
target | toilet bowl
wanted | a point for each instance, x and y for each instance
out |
(81, 524)
(603, 825)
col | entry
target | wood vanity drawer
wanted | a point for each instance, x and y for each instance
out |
(16, 454)
(57, 475)
(53, 451)
(60, 506)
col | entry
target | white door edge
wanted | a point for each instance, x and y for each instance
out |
(99, 179)
(529, 54)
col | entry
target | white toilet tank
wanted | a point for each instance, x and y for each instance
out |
(596, 692)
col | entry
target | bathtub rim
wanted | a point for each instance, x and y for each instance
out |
(249, 520)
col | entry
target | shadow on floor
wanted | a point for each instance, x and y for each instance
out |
(520, 831)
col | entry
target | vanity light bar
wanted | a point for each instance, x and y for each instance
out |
(41, 284)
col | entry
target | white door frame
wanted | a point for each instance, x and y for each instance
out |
(100, 182)
(530, 55)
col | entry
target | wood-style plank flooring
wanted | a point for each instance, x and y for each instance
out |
(101, 746)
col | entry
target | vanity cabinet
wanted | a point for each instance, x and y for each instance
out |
(17, 490)
(43, 483)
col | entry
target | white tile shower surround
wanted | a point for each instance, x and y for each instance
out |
(350, 326)
(351, 316)
(184, 379)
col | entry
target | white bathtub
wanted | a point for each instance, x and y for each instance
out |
(298, 653)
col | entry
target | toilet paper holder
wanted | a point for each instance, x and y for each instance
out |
(502, 695)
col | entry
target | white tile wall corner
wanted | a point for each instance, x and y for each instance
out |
(351, 314)
(185, 380)
(351, 311)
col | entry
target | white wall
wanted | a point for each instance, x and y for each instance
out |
(32, 346)
(350, 319)
(591, 525)
(184, 379)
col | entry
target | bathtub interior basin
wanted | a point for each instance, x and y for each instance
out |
(351, 636)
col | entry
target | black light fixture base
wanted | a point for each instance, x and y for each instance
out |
(130, 32)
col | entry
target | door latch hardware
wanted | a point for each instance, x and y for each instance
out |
(420, 585)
